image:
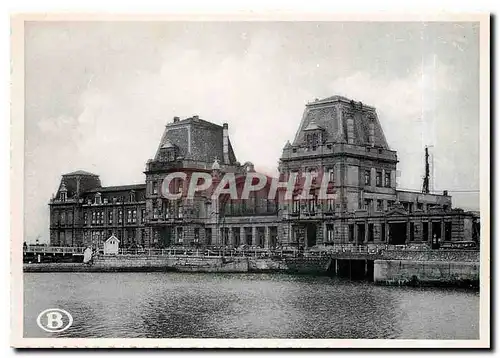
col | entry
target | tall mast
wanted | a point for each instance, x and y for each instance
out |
(425, 185)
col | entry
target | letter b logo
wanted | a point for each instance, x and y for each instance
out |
(54, 320)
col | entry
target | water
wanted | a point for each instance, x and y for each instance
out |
(167, 305)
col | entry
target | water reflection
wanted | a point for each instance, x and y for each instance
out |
(163, 305)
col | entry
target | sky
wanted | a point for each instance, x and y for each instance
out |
(98, 94)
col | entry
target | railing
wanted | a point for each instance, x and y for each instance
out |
(53, 249)
(370, 249)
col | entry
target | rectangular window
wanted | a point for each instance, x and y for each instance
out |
(93, 218)
(387, 180)
(379, 178)
(196, 235)
(134, 216)
(380, 206)
(296, 205)
(367, 177)
(447, 231)
(208, 236)
(370, 232)
(85, 218)
(412, 231)
(331, 205)
(154, 187)
(390, 204)
(224, 232)
(110, 217)
(351, 232)
(329, 233)
(180, 236)
(425, 231)
(312, 205)
(120, 216)
(382, 232)
(143, 215)
(331, 175)
(368, 204)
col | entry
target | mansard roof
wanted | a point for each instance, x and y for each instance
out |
(331, 115)
(196, 139)
(106, 189)
(80, 172)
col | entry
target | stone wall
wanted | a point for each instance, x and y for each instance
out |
(402, 272)
(433, 255)
(173, 263)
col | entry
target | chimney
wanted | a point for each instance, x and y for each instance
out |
(196, 117)
(445, 192)
(176, 119)
(225, 143)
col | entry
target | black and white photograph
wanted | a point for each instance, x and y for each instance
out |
(250, 181)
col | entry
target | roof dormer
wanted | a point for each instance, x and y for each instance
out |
(313, 135)
(168, 152)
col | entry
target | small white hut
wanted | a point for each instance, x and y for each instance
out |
(111, 245)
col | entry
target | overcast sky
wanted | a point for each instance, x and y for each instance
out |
(99, 94)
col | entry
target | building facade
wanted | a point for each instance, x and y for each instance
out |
(336, 136)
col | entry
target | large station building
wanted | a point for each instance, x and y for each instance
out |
(337, 136)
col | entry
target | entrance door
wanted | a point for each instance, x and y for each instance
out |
(165, 236)
(436, 230)
(311, 235)
(397, 233)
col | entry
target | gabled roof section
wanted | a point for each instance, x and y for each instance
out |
(313, 126)
(112, 237)
(167, 144)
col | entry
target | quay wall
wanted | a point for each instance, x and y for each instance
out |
(433, 255)
(381, 271)
(139, 263)
(423, 273)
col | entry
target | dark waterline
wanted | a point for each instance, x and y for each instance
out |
(174, 305)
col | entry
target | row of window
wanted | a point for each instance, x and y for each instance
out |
(97, 217)
(237, 240)
(410, 207)
(249, 207)
(311, 205)
(427, 227)
(378, 178)
(98, 199)
(62, 218)
(126, 237)
(330, 171)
